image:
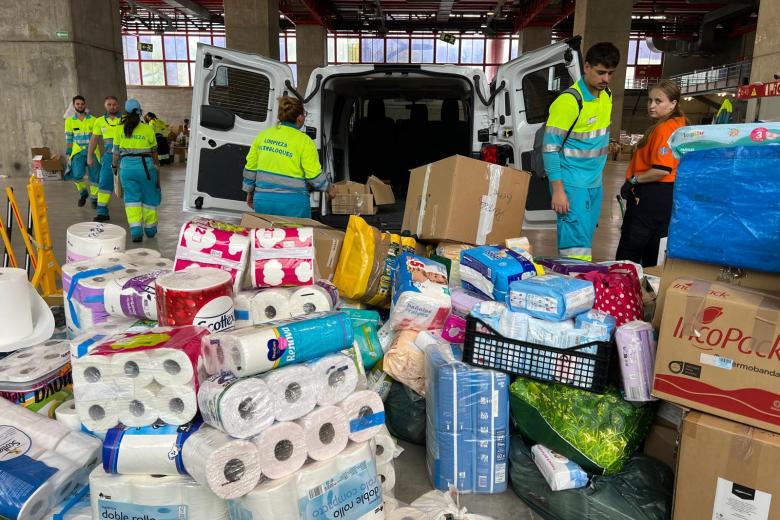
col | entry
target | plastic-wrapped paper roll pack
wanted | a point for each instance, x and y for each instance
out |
(295, 390)
(86, 240)
(337, 378)
(158, 497)
(326, 431)
(258, 349)
(196, 296)
(366, 414)
(270, 305)
(282, 257)
(281, 449)
(67, 415)
(133, 295)
(211, 243)
(240, 407)
(39, 377)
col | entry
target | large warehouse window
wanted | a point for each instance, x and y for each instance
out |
(644, 65)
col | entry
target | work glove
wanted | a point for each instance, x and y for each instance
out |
(627, 191)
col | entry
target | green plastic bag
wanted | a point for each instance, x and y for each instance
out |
(642, 490)
(597, 431)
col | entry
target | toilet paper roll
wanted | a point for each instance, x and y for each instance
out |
(133, 295)
(327, 432)
(240, 407)
(68, 477)
(177, 404)
(229, 467)
(270, 499)
(135, 367)
(281, 449)
(93, 370)
(294, 390)
(242, 305)
(101, 415)
(81, 448)
(86, 240)
(142, 408)
(386, 474)
(383, 447)
(16, 320)
(43, 431)
(366, 414)
(270, 305)
(309, 299)
(66, 414)
(171, 367)
(337, 378)
(37, 504)
(197, 296)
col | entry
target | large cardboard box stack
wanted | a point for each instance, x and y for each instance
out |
(464, 200)
(726, 471)
(45, 165)
(327, 240)
(354, 198)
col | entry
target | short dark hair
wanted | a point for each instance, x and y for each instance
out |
(77, 97)
(110, 97)
(151, 115)
(603, 53)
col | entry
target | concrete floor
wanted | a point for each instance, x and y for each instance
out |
(411, 473)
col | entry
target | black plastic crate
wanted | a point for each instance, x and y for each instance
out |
(575, 366)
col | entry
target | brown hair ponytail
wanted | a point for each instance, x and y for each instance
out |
(290, 109)
(673, 93)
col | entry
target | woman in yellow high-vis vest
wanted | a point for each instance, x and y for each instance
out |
(283, 166)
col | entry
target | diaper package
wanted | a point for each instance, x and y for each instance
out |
(421, 297)
(551, 297)
(600, 324)
(488, 270)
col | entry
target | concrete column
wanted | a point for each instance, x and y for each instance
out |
(253, 26)
(532, 38)
(311, 50)
(766, 54)
(51, 50)
(607, 21)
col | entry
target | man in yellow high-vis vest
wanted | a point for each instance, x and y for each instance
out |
(576, 145)
(78, 131)
(103, 133)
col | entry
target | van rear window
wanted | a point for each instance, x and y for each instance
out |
(541, 87)
(242, 92)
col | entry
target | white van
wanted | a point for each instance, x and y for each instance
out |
(373, 119)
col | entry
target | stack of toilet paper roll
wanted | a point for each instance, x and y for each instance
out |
(87, 240)
(45, 458)
(264, 306)
(385, 450)
(258, 349)
(211, 243)
(138, 378)
(85, 342)
(125, 497)
(342, 487)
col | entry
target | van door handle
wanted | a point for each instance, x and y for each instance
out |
(212, 143)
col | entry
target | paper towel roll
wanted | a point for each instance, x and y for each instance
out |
(270, 305)
(294, 389)
(100, 416)
(229, 467)
(383, 447)
(309, 299)
(87, 240)
(133, 295)
(240, 407)
(81, 448)
(366, 414)
(386, 474)
(38, 503)
(68, 477)
(177, 404)
(326, 430)
(141, 409)
(16, 320)
(242, 305)
(66, 414)
(270, 499)
(337, 378)
(132, 366)
(281, 449)
(171, 367)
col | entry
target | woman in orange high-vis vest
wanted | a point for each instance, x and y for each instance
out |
(650, 179)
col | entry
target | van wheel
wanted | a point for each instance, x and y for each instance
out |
(199, 203)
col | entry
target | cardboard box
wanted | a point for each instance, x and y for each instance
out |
(383, 193)
(726, 470)
(45, 165)
(465, 200)
(719, 352)
(675, 268)
(327, 240)
(661, 444)
(354, 198)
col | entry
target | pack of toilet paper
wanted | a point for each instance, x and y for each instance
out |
(282, 257)
(256, 307)
(139, 378)
(38, 377)
(421, 296)
(210, 243)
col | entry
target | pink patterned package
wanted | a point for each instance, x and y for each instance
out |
(282, 257)
(454, 329)
(211, 243)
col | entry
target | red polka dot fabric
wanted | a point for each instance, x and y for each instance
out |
(618, 292)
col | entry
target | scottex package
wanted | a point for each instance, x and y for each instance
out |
(488, 270)
(597, 431)
(39, 377)
(421, 296)
(551, 297)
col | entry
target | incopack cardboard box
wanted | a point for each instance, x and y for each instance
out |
(465, 200)
(327, 240)
(719, 352)
(726, 471)
(675, 268)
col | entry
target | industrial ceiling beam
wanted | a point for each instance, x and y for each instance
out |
(195, 10)
(528, 15)
(323, 11)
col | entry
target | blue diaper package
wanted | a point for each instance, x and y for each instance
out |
(488, 270)
(551, 297)
(726, 208)
(600, 324)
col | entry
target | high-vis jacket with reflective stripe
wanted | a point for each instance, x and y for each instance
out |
(580, 160)
(283, 159)
(159, 127)
(78, 132)
(105, 126)
(142, 141)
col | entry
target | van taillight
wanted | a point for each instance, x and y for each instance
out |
(489, 153)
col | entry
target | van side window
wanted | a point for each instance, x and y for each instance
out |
(242, 92)
(541, 87)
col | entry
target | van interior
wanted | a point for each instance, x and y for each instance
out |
(386, 123)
